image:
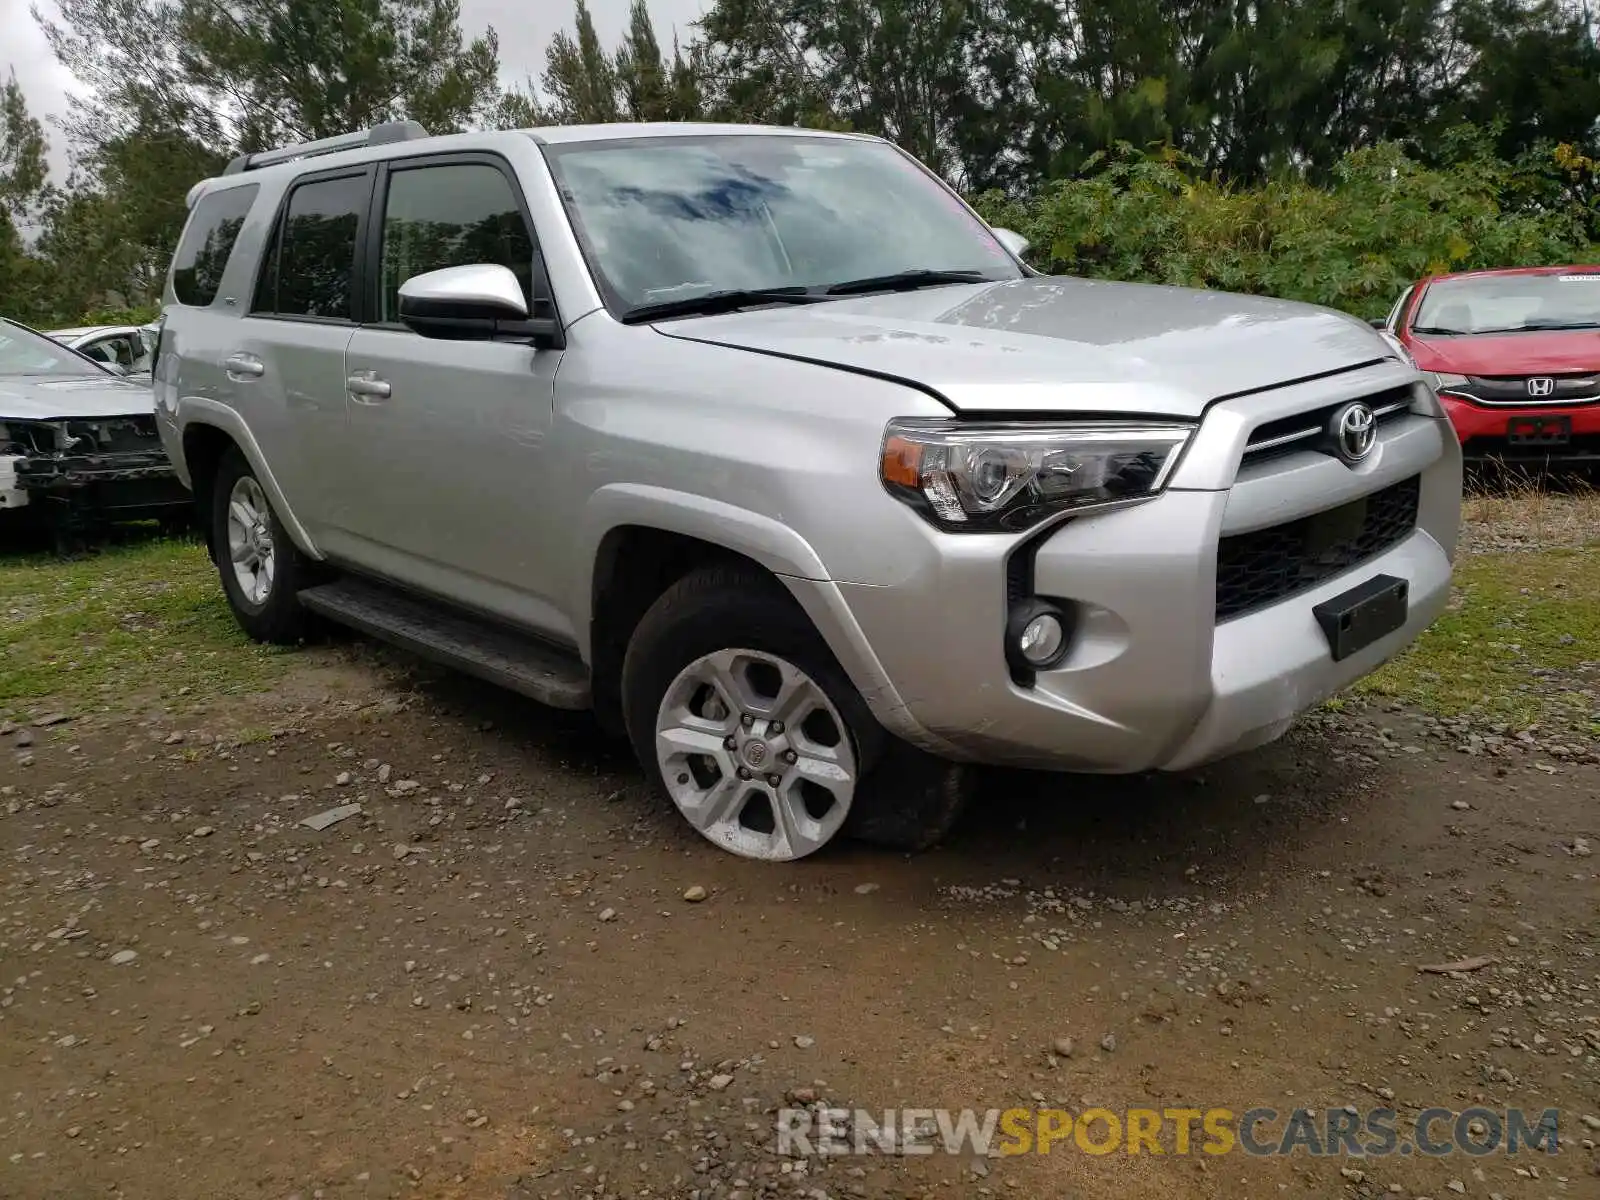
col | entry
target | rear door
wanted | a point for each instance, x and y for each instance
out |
(449, 440)
(287, 362)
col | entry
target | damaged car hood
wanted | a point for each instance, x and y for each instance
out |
(1058, 343)
(30, 398)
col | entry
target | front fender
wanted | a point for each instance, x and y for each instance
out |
(199, 410)
(764, 540)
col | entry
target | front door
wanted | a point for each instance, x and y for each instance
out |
(449, 440)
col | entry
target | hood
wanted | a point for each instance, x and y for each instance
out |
(1059, 344)
(30, 398)
(1538, 353)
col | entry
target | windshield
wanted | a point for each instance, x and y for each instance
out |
(672, 218)
(23, 352)
(1510, 304)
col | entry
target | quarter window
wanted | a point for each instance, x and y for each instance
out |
(451, 216)
(207, 242)
(309, 266)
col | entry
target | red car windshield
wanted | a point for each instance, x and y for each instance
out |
(1510, 304)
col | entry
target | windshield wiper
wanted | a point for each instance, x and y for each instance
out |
(1437, 329)
(905, 281)
(729, 300)
(1543, 326)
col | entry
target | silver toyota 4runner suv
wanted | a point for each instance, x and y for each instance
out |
(764, 446)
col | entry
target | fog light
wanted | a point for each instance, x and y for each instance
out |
(1042, 639)
(1038, 635)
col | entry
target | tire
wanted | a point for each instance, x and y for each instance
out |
(268, 612)
(916, 799)
(724, 672)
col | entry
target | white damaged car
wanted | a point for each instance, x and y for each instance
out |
(78, 444)
(126, 349)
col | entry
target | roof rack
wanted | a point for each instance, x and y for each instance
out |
(378, 135)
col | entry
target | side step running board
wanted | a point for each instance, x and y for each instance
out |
(444, 635)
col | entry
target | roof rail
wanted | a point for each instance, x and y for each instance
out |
(378, 135)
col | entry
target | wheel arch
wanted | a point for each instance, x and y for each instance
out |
(638, 541)
(207, 430)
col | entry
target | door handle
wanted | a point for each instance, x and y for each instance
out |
(365, 387)
(241, 366)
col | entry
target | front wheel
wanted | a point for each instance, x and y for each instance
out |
(262, 570)
(739, 712)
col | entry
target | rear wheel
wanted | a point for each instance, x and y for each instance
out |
(741, 715)
(262, 570)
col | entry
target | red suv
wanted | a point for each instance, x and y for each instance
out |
(1515, 357)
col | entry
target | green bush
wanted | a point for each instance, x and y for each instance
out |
(141, 314)
(1385, 221)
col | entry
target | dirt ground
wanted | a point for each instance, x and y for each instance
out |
(489, 982)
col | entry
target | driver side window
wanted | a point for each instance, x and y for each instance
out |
(451, 215)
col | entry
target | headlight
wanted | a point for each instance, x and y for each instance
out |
(1442, 382)
(1004, 476)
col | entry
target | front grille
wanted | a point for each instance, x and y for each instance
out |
(1267, 565)
(1513, 389)
(1309, 430)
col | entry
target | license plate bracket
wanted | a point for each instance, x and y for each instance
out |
(1353, 620)
(1539, 431)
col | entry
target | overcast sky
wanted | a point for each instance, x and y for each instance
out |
(524, 29)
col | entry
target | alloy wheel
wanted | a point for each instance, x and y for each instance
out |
(755, 755)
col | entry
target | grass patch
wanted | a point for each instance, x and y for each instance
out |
(1512, 646)
(137, 621)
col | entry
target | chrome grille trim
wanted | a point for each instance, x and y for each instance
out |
(1255, 447)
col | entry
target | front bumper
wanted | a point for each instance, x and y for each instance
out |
(1153, 681)
(1482, 430)
(86, 470)
(112, 486)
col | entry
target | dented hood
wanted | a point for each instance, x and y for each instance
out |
(40, 398)
(1057, 344)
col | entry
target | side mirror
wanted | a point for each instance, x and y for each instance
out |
(1012, 241)
(479, 302)
(1378, 322)
(115, 368)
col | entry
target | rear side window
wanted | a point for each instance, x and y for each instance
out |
(207, 242)
(311, 260)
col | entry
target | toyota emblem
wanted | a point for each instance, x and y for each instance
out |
(1354, 430)
(1541, 385)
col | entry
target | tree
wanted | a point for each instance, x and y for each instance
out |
(248, 74)
(641, 74)
(24, 188)
(1535, 74)
(519, 108)
(580, 77)
(23, 169)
